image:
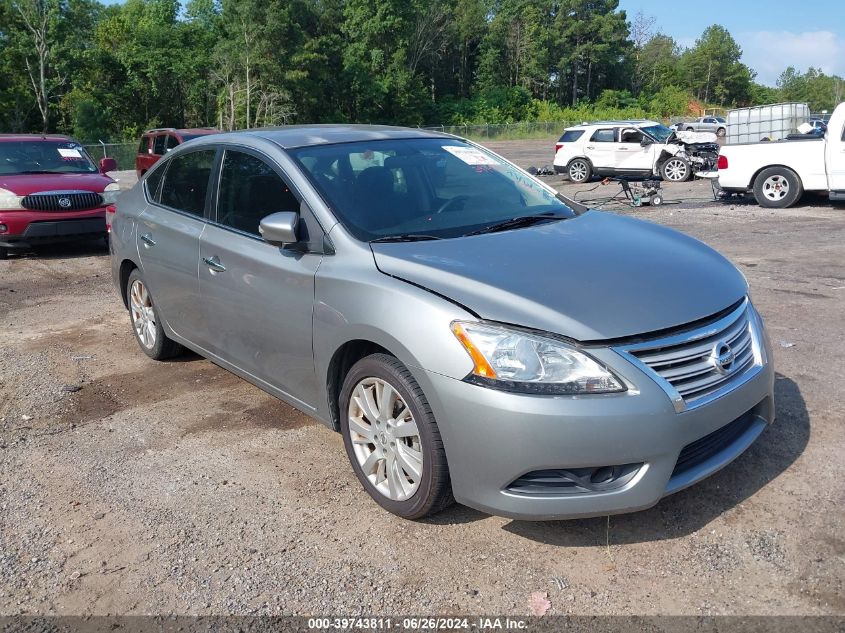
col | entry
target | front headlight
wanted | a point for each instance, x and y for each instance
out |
(511, 360)
(110, 193)
(9, 200)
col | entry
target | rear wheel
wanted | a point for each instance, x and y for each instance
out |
(676, 169)
(392, 439)
(777, 187)
(721, 131)
(579, 170)
(146, 324)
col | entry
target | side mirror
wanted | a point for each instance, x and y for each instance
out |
(279, 228)
(107, 165)
(646, 141)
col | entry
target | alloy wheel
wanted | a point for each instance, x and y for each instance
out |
(143, 315)
(775, 188)
(675, 170)
(578, 171)
(385, 439)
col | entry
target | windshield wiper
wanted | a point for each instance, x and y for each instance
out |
(405, 237)
(517, 222)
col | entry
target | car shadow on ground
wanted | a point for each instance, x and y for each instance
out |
(63, 250)
(689, 510)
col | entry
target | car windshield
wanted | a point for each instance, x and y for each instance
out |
(44, 157)
(424, 188)
(660, 133)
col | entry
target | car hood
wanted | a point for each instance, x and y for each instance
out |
(25, 184)
(595, 277)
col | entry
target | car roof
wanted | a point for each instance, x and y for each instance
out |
(635, 122)
(34, 137)
(186, 130)
(292, 136)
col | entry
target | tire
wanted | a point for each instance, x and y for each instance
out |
(579, 170)
(721, 132)
(146, 324)
(656, 200)
(401, 493)
(4, 253)
(777, 188)
(690, 129)
(676, 169)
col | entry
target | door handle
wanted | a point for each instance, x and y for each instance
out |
(623, 149)
(214, 264)
(148, 240)
(590, 147)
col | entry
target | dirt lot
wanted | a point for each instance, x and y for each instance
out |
(129, 486)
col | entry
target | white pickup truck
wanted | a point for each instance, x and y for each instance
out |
(778, 172)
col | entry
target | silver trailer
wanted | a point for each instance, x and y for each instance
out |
(772, 122)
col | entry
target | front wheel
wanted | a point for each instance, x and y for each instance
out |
(721, 132)
(777, 187)
(579, 170)
(392, 439)
(676, 169)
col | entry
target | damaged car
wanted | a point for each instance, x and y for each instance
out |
(636, 149)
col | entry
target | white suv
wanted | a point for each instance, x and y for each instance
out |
(639, 149)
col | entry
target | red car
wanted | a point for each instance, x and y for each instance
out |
(51, 190)
(156, 143)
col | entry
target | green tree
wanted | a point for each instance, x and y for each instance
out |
(712, 71)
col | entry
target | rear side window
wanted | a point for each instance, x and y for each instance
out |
(158, 146)
(186, 182)
(570, 136)
(604, 136)
(172, 142)
(153, 184)
(249, 191)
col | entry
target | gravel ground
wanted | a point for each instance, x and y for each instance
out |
(134, 487)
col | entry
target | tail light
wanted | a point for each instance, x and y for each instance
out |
(722, 162)
(110, 211)
(557, 147)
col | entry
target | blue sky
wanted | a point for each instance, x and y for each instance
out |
(773, 34)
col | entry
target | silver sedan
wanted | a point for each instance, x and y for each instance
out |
(473, 335)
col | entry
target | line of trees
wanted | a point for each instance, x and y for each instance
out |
(108, 72)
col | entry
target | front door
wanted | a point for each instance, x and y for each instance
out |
(631, 156)
(168, 237)
(258, 298)
(835, 158)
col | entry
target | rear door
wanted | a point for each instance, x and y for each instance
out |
(168, 236)
(601, 148)
(259, 297)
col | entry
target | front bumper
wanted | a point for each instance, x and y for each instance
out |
(28, 228)
(494, 438)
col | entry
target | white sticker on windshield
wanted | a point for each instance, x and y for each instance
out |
(69, 153)
(470, 155)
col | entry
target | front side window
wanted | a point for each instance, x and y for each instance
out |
(630, 135)
(186, 182)
(44, 157)
(249, 191)
(437, 187)
(158, 145)
(604, 136)
(172, 142)
(144, 145)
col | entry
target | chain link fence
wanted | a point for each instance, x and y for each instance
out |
(505, 131)
(123, 153)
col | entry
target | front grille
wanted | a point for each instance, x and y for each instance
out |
(689, 363)
(62, 201)
(703, 449)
